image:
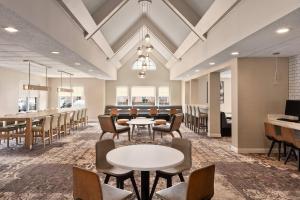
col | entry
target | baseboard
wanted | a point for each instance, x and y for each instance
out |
(250, 150)
(214, 135)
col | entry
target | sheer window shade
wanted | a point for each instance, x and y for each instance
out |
(141, 91)
(163, 92)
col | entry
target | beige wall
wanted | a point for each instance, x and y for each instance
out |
(254, 96)
(128, 77)
(94, 91)
(10, 82)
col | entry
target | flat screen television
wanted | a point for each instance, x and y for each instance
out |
(292, 108)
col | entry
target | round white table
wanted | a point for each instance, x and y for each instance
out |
(145, 158)
(141, 122)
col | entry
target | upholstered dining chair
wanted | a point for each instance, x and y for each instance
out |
(199, 187)
(108, 126)
(102, 148)
(87, 186)
(174, 126)
(153, 112)
(172, 112)
(133, 113)
(62, 124)
(54, 127)
(8, 131)
(273, 133)
(114, 113)
(43, 130)
(291, 138)
(185, 146)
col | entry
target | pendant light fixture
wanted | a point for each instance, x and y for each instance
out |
(30, 86)
(61, 88)
(142, 74)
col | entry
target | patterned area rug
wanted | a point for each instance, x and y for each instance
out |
(47, 173)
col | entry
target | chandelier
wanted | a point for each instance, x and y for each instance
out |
(144, 48)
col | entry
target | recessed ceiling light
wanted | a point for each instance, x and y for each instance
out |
(55, 52)
(282, 30)
(77, 63)
(90, 70)
(11, 29)
(197, 70)
(212, 63)
(235, 53)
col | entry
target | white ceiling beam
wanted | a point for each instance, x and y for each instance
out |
(82, 15)
(214, 14)
(184, 19)
(110, 14)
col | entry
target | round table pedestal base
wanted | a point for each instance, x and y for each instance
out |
(145, 176)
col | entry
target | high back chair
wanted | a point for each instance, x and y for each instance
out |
(102, 148)
(68, 123)
(174, 126)
(74, 118)
(185, 146)
(87, 186)
(108, 126)
(62, 124)
(43, 130)
(54, 127)
(199, 187)
(273, 133)
(292, 138)
(8, 130)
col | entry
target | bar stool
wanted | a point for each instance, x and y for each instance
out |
(203, 120)
(186, 116)
(290, 138)
(188, 123)
(191, 117)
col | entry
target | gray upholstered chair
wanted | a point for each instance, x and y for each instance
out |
(185, 146)
(62, 124)
(87, 186)
(102, 148)
(199, 187)
(54, 127)
(108, 126)
(174, 126)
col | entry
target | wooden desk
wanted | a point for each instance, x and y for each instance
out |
(273, 119)
(29, 117)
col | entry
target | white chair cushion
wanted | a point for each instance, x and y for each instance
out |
(112, 193)
(176, 192)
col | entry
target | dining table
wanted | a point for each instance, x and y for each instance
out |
(139, 122)
(29, 117)
(145, 158)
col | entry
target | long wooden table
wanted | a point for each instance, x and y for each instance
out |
(273, 119)
(29, 117)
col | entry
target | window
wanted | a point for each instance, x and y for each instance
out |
(143, 95)
(27, 104)
(163, 96)
(28, 99)
(137, 65)
(78, 97)
(122, 96)
(75, 99)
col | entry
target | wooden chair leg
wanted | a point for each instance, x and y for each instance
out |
(106, 180)
(169, 182)
(181, 177)
(279, 151)
(129, 135)
(135, 187)
(270, 150)
(154, 186)
(288, 156)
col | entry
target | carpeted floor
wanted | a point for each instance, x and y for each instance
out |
(47, 173)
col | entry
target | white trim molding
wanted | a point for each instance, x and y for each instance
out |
(214, 135)
(250, 150)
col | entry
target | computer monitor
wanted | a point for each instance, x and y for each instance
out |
(292, 108)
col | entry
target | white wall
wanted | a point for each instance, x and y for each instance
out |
(10, 81)
(128, 77)
(94, 91)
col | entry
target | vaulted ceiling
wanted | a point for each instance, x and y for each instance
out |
(116, 25)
